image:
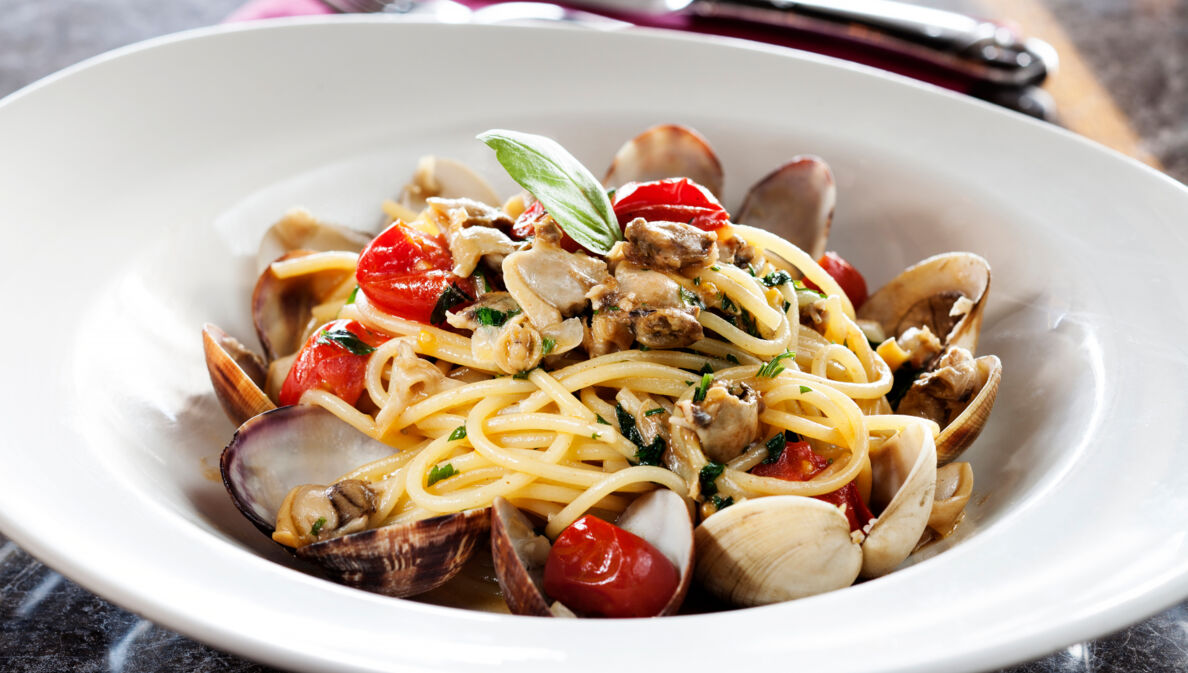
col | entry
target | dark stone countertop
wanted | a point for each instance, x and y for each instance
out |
(1138, 52)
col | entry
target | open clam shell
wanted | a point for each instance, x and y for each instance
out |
(278, 450)
(236, 373)
(904, 483)
(776, 548)
(447, 179)
(795, 201)
(282, 308)
(661, 517)
(946, 293)
(957, 435)
(298, 229)
(666, 151)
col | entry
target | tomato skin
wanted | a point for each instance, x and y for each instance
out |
(670, 200)
(600, 570)
(798, 462)
(404, 271)
(321, 363)
(851, 282)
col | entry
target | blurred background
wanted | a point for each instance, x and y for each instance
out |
(1122, 81)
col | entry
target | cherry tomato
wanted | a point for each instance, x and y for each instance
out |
(404, 271)
(851, 282)
(798, 462)
(325, 362)
(600, 570)
(671, 200)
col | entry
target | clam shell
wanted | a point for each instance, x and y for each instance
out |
(666, 151)
(447, 179)
(282, 307)
(924, 294)
(661, 517)
(300, 230)
(795, 201)
(776, 548)
(958, 435)
(236, 373)
(403, 560)
(954, 486)
(904, 482)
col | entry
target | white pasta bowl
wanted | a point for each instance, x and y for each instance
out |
(134, 188)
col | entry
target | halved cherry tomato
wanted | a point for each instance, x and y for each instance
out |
(798, 462)
(325, 362)
(851, 282)
(670, 200)
(600, 570)
(404, 271)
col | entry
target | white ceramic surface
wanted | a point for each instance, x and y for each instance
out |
(133, 190)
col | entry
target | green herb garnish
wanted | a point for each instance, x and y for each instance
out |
(805, 389)
(450, 297)
(566, 189)
(776, 278)
(699, 394)
(520, 376)
(715, 268)
(705, 369)
(697, 280)
(730, 358)
(347, 339)
(440, 472)
(775, 447)
(351, 297)
(595, 435)
(691, 298)
(708, 475)
(728, 305)
(601, 420)
(494, 317)
(773, 368)
(458, 433)
(722, 503)
(653, 412)
(547, 344)
(317, 526)
(645, 454)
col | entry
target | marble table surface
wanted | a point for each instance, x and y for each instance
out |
(1127, 86)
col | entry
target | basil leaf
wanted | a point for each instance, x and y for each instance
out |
(708, 475)
(346, 339)
(565, 188)
(450, 297)
(775, 447)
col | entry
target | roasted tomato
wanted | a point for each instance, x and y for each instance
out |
(406, 272)
(671, 200)
(600, 570)
(334, 358)
(851, 282)
(798, 462)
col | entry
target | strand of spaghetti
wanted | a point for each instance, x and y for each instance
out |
(545, 510)
(438, 503)
(431, 341)
(653, 386)
(897, 422)
(768, 241)
(312, 263)
(600, 375)
(724, 351)
(857, 391)
(565, 494)
(373, 377)
(440, 424)
(745, 291)
(607, 434)
(801, 426)
(527, 440)
(601, 408)
(377, 470)
(391, 490)
(449, 399)
(564, 399)
(608, 484)
(749, 458)
(844, 359)
(760, 347)
(330, 402)
(465, 477)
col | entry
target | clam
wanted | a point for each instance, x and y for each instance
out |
(783, 547)
(795, 201)
(300, 230)
(283, 308)
(945, 293)
(447, 179)
(276, 451)
(236, 373)
(666, 151)
(960, 408)
(954, 486)
(661, 517)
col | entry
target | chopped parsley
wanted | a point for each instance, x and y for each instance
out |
(751, 270)
(777, 278)
(805, 389)
(705, 369)
(547, 344)
(440, 472)
(653, 412)
(450, 297)
(775, 447)
(482, 275)
(728, 305)
(523, 375)
(697, 280)
(645, 454)
(601, 420)
(351, 297)
(595, 435)
(773, 368)
(458, 433)
(643, 347)
(344, 338)
(715, 268)
(494, 317)
(799, 286)
(691, 298)
(699, 394)
(708, 475)
(722, 503)
(317, 526)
